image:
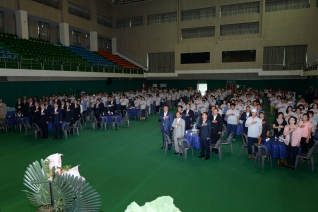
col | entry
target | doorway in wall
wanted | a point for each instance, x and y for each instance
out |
(202, 87)
(233, 87)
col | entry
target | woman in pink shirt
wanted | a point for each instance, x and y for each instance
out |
(306, 128)
(292, 135)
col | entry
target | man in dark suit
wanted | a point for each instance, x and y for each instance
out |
(188, 117)
(210, 113)
(180, 109)
(205, 126)
(49, 109)
(98, 109)
(217, 125)
(44, 121)
(165, 120)
(57, 121)
(113, 105)
(31, 109)
(76, 111)
(68, 113)
(37, 114)
(26, 105)
(244, 117)
(19, 106)
(63, 109)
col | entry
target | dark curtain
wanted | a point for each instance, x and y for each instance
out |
(273, 58)
(161, 62)
(295, 57)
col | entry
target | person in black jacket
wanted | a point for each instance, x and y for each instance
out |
(244, 117)
(37, 114)
(57, 121)
(217, 125)
(30, 111)
(19, 106)
(62, 107)
(188, 115)
(44, 121)
(113, 105)
(76, 111)
(68, 113)
(205, 126)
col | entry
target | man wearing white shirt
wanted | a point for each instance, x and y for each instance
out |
(232, 120)
(282, 106)
(123, 104)
(254, 132)
(142, 105)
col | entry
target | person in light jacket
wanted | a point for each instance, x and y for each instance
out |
(178, 132)
(292, 135)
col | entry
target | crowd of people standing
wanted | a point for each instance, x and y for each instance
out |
(219, 108)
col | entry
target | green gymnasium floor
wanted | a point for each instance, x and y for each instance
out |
(128, 165)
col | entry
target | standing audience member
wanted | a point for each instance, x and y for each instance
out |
(254, 125)
(188, 116)
(205, 126)
(44, 121)
(165, 120)
(292, 140)
(3, 110)
(178, 131)
(279, 125)
(306, 128)
(57, 121)
(217, 125)
(19, 106)
(265, 125)
(232, 120)
(313, 130)
(244, 117)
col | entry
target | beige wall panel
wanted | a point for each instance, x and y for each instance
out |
(9, 4)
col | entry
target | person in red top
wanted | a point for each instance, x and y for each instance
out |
(292, 135)
(306, 128)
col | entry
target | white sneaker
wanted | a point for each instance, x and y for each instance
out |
(233, 139)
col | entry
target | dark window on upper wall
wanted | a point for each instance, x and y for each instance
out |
(51, 3)
(316, 3)
(198, 14)
(78, 11)
(279, 5)
(240, 9)
(200, 32)
(102, 20)
(200, 57)
(130, 22)
(239, 56)
(162, 18)
(239, 29)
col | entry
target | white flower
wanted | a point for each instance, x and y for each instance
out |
(74, 172)
(55, 160)
(161, 204)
